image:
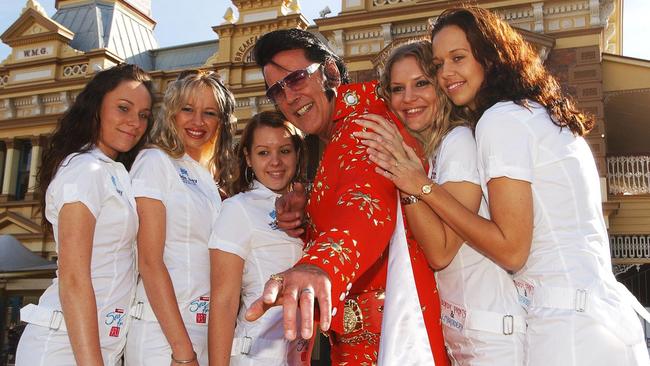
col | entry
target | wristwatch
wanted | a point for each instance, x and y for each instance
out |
(409, 200)
(426, 189)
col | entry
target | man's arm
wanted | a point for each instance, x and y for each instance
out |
(356, 233)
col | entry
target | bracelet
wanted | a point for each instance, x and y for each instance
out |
(409, 200)
(184, 361)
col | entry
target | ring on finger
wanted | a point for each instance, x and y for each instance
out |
(306, 290)
(277, 277)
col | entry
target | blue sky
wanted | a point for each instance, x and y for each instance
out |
(193, 21)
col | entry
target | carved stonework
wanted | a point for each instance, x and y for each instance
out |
(77, 70)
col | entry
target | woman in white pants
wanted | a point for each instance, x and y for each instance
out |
(178, 201)
(483, 323)
(546, 222)
(86, 197)
(247, 247)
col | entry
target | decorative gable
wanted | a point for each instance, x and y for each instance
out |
(17, 225)
(34, 26)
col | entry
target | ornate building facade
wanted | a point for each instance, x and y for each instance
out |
(53, 56)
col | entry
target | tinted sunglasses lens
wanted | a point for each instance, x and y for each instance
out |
(295, 79)
(274, 92)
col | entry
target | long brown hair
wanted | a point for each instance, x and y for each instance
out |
(78, 129)
(165, 136)
(241, 182)
(444, 120)
(513, 70)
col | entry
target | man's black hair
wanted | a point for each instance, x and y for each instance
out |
(280, 40)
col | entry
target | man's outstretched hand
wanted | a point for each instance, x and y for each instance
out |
(296, 292)
(290, 210)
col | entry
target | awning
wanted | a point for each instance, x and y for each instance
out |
(18, 261)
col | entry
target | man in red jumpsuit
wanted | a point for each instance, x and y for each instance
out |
(351, 210)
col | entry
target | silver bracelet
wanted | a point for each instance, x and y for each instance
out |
(184, 361)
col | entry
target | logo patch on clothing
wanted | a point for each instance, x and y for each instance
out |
(115, 319)
(116, 184)
(452, 316)
(185, 177)
(525, 293)
(200, 308)
(273, 224)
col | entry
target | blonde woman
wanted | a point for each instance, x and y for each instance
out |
(178, 202)
(482, 322)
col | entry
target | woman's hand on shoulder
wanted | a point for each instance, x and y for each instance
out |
(394, 158)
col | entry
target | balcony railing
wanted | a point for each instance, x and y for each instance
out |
(628, 175)
(630, 248)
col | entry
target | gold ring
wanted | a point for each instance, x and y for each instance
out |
(277, 277)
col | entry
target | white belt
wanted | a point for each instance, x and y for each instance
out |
(259, 347)
(634, 302)
(38, 315)
(579, 299)
(562, 298)
(488, 321)
(143, 311)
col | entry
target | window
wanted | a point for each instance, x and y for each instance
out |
(24, 151)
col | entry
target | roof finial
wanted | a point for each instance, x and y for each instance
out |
(33, 4)
(230, 16)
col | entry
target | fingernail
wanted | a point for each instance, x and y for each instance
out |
(290, 335)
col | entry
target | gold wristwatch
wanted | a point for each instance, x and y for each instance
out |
(426, 189)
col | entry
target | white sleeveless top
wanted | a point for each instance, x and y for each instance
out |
(192, 204)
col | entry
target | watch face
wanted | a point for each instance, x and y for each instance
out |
(426, 189)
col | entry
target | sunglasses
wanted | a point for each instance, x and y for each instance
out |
(294, 81)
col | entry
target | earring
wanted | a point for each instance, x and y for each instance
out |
(297, 177)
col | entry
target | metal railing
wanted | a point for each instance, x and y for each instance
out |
(628, 175)
(630, 246)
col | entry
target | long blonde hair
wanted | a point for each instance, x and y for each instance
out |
(165, 136)
(444, 119)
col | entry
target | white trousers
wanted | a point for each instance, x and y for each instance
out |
(146, 344)
(570, 338)
(469, 347)
(41, 346)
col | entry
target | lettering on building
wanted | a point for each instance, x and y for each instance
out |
(32, 52)
(241, 51)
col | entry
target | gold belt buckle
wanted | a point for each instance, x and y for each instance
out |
(352, 317)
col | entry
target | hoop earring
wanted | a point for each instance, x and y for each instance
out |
(297, 176)
(249, 175)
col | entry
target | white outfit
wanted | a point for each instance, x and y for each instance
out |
(483, 322)
(246, 227)
(104, 187)
(578, 314)
(192, 202)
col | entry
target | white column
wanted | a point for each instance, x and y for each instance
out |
(538, 15)
(11, 169)
(2, 167)
(386, 32)
(33, 167)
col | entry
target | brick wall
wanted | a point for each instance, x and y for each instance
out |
(579, 70)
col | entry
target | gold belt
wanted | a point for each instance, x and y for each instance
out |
(371, 304)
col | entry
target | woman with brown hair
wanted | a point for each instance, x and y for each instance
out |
(247, 247)
(546, 224)
(87, 201)
(482, 322)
